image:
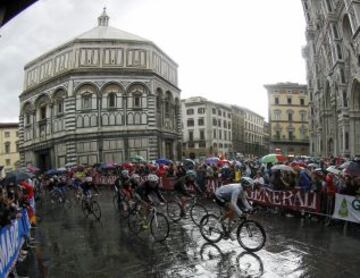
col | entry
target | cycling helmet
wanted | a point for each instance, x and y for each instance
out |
(135, 177)
(190, 173)
(247, 182)
(125, 173)
(88, 179)
(152, 178)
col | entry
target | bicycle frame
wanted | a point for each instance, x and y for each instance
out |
(234, 222)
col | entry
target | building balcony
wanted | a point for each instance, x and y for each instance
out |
(289, 140)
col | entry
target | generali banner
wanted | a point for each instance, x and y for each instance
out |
(291, 199)
(347, 208)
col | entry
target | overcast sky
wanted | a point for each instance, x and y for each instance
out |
(226, 49)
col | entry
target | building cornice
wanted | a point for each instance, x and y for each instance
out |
(70, 74)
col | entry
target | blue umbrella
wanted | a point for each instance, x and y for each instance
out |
(212, 160)
(16, 176)
(52, 172)
(163, 161)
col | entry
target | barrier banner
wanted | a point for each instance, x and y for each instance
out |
(105, 180)
(347, 208)
(291, 199)
(11, 240)
(167, 183)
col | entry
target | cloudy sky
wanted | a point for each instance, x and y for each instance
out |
(226, 49)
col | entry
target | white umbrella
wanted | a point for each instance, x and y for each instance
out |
(332, 169)
(70, 164)
(313, 165)
(282, 167)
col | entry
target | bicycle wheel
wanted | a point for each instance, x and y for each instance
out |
(115, 201)
(210, 251)
(95, 209)
(135, 221)
(251, 235)
(249, 265)
(67, 203)
(159, 226)
(124, 209)
(173, 210)
(55, 198)
(211, 228)
(85, 208)
(197, 212)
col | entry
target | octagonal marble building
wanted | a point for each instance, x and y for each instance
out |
(104, 96)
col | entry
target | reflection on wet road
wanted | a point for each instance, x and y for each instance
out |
(71, 245)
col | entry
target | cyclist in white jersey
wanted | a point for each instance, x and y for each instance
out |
(233, 196)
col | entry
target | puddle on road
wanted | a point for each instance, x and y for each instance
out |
(73, 246)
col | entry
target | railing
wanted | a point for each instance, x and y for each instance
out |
(286, 140)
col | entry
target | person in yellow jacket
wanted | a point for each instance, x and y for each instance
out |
(237, 174)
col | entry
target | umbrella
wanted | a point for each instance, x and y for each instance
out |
(298, 164)
(353, 169)
(345, 164)
(107, 165)
(283, 167)
(70, 164)
(16, 176)
(137, 158)
(189, 161)
(61, 169)
(333, 170)
(52, 172)
(313, 165)
(127, 165)
(163, 161)
(32, 169)
(273, 158)
(212, 160)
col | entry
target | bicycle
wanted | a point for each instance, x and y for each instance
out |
(58, 197)
(122, 203)
(249, 233)
(144, 215)
(196, 209)
(90, 206)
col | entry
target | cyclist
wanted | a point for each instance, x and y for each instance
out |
(87, 185)
(232, 197)
(150, 186)
(182, 186)
(122, 185)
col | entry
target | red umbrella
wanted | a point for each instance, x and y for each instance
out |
(222, 162)
(353, 169)
(128, 166)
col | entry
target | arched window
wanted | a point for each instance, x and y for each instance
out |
(158, 104)
(277, 115)
(27, 118)
(137, 101)
(86, 101)
(43, 112)
(112, 100)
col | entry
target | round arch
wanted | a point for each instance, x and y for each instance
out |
(27, 106)
(112, 86)
(86, 87)
(137, 87)
(42, 99)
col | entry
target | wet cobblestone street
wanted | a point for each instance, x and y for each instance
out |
(71, 245)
